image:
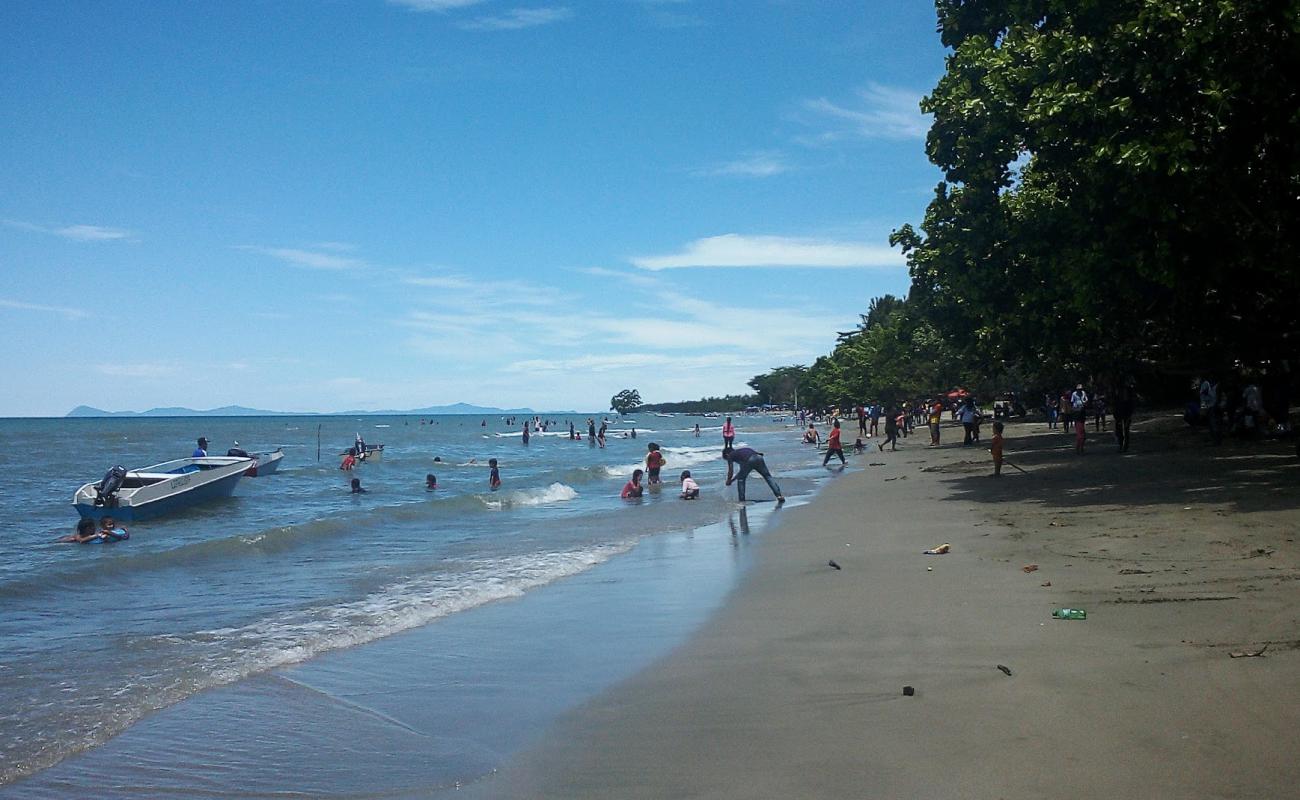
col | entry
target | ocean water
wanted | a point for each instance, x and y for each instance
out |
(294, 582)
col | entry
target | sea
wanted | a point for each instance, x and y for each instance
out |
(297, 639)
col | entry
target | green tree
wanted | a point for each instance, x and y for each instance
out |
(1121, 184)
(625, 401)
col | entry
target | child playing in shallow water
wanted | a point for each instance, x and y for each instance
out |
(690, 489)
(494, 475)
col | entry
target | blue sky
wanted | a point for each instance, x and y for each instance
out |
(399, 203)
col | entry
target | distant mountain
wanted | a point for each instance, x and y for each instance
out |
(241, 411)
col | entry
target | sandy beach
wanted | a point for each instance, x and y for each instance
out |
(1183, 556)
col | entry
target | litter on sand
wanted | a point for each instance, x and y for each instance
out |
(1005, 669)
(938, 551)
(832, 563)
(1030, 568)
(1248, 653)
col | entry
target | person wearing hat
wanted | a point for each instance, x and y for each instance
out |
(202, 450)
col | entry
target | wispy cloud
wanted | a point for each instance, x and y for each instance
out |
(518, 18)
(755, 165)
(80, 233)
(880, 112)
(620, 361)
(310, 259)
(138, 370)
(434, 5)
(734, 250)
(70, 313)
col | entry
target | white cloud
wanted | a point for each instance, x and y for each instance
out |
(70, 313)
(310, 259)
(434, 5)
(518, 18)
(81, 233)
(755, 165)
(735, 250)
(138, 370)
(883, 112)
(620, 361)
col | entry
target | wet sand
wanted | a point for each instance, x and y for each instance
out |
(1183, 555)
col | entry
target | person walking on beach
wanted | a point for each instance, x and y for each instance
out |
(494, 475)
(833, 446)
(936, 419)
(875, 419)
(728, 433)
(968, 420)
(996, 449)
(1080, 431)
(862, 420)
(891, 432)
(749, 460)
(1125, 405)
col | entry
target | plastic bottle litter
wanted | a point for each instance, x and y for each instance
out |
(1070, 613)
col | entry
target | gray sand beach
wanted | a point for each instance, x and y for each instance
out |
(1182, 555)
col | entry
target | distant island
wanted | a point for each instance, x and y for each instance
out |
(241, 411)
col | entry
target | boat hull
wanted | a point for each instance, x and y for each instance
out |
(166, 488)
(266, 463)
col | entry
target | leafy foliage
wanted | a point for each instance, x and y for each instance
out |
(1122, 184)
(625, 401)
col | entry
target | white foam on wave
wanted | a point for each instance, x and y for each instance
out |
(296, 636)
(555, 493)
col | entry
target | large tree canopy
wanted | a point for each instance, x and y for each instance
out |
(1122, 183)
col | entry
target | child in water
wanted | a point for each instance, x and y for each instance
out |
(633, 488)
(996, 449)
(356, 486)
(690, 489)
(110, 531)
(430, 482)
(494, 475)
(654, 461)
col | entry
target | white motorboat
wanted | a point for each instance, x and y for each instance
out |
(134, 494)
(265, 463)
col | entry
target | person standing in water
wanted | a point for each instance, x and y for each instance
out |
(749, 460)
(494, 475)
(526, 433)
(654, 461)
(728, 434)
(833, 446)
(697, 430)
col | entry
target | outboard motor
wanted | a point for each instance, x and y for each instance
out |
(238, 452)
(106, 491)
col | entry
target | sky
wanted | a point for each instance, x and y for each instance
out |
(328, 205)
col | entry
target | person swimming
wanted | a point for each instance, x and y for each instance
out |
(430, 482)
(85, 532)
(356, 486)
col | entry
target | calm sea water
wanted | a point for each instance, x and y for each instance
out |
(95, 637)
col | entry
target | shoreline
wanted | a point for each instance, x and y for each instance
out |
(1181, 554)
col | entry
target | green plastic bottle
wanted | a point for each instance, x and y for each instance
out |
(1070, 613)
